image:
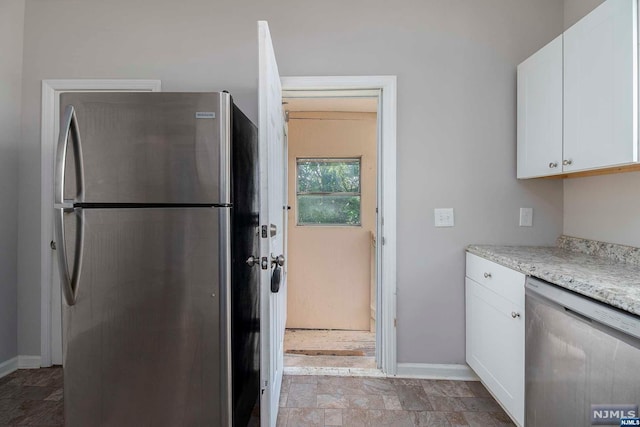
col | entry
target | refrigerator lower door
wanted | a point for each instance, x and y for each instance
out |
(146, 342)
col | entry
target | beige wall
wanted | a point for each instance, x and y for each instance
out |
(11, 36)
(330, 267)
(456, 66)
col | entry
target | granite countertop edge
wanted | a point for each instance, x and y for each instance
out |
(577, 272)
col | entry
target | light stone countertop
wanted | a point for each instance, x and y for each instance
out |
(604, 279)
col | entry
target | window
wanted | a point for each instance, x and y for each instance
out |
(328, 191)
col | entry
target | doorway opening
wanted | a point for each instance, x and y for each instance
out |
(332, 231)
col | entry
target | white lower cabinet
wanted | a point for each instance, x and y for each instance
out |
(495, 332)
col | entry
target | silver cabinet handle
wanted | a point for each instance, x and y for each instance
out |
(553, 165)
(515, 314)
(567, 162)
(487, 275)
(69, 280)
(69, 128)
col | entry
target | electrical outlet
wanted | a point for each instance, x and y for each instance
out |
(443, 217)
(526, 217)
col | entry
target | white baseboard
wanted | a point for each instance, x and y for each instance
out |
(436, 371)
(28, 362)
(8, 366)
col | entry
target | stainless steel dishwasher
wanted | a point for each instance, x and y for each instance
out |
(578, 353)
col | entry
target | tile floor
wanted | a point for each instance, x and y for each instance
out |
(357, 401)
(34, 398)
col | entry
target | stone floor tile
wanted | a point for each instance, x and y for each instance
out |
(447, 388)
(283, 400)
(378, 386)
(391, 418)
(432, 419)
(485, 419)
(332, 401)
(354, 417)
(302, 395)
(478, 389)
(333, 417)
(480, 404)
(457, 419)
(366, 401)
(340, 385)
(392, 403)
(405, 381)
(447, 404)
(305, 417)
(283, 415)
(33, 393)
(286, 381)
(41, 413)
(303, 379)
(57, 395)
(413, 398)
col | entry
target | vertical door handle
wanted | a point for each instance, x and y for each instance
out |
(69, 128)
(69, 280)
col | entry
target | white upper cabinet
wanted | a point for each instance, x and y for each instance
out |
(578, 96)
(601, 88)
(540, 112)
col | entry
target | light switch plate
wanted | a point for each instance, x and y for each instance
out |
(526, 217)
(443, 217)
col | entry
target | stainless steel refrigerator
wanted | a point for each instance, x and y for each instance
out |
(156, 202)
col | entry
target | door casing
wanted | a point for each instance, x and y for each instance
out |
(50, 319)
(310, 86)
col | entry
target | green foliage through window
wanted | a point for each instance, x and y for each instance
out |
(328, 191)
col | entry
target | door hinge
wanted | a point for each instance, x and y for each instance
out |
(395, 323)
(286, 116)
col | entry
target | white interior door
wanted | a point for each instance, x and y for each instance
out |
(272, 200)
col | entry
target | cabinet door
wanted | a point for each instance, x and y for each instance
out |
(600, 88)
(540, 112)
(495, 346)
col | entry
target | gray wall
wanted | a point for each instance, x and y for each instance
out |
(455, 61)
(11, 32)
(607, 207)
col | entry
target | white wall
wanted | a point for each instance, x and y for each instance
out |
(605, 208)
(11, 32)
(455, 61)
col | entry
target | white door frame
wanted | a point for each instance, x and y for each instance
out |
(386, 301)
(51, 90)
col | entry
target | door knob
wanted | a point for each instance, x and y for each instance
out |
(252, 261)
(278, 260)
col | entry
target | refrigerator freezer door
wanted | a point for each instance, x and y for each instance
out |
(150, 147)
(147, 338)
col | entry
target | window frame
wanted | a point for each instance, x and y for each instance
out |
(325, 159)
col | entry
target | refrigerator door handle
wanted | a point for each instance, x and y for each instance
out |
(69, 128)
(69, 283)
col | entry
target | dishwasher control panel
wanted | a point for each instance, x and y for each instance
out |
(585, 306)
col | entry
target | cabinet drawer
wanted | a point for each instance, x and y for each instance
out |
(502, 280)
